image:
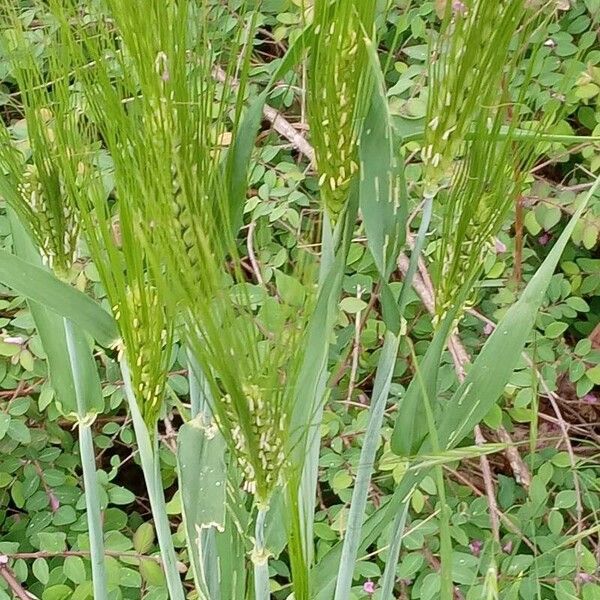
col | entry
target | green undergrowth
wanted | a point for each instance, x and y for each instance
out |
(542, 436)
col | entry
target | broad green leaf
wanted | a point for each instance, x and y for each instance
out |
(74, 569)
(290, 289)
(594, 374)
(52, 541)
(37, 284)
(410, 428)
(203, 480)
(49, 326)
(41, 571)
(494, 365)
(218, 558)
(275, 534)
(88, 389)
(238, 157)
(201, 462)
(57, 592)
(383, 196)
(4, 424)
(352, 305)
(232, 554)
(143, 538)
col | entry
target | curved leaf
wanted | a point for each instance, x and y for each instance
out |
(43, 287)
(495, 363)
(383, 195)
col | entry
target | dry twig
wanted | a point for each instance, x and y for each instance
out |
(7, 574)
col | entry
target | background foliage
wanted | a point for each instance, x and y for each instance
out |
(547, 500)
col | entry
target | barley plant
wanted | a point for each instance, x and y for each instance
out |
(131, 144)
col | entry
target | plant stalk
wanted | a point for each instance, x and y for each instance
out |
(260, 558)
(445, 537)
(208, 572)
(383, 379)
(12, 582)
(88, 464)
(310, 467)
(93, 510)
(148, 450)
(389, 574)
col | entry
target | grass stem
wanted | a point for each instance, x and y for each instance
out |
(389, 574)
(88, 464)
(260, 558)
(207, 573)
(148, 450)
(93, 511)
(383, 378)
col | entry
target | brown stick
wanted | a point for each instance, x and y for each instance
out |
(280, 124)
(252, 256)
(517, 464)
(8, 576)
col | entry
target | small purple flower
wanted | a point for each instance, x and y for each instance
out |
(590, 399)
(369, 587)
(3, 559)
(584, 578)
(508, 547)
(54, 502)
(544, 238)
(488, 328)
(476, 546)
(459, 7)
(499, 246)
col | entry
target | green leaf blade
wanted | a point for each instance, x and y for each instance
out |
(493, 367)
(382, 190)
(39, 285)
(203, 481)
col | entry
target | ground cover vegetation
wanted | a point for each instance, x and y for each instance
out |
(300, 299)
